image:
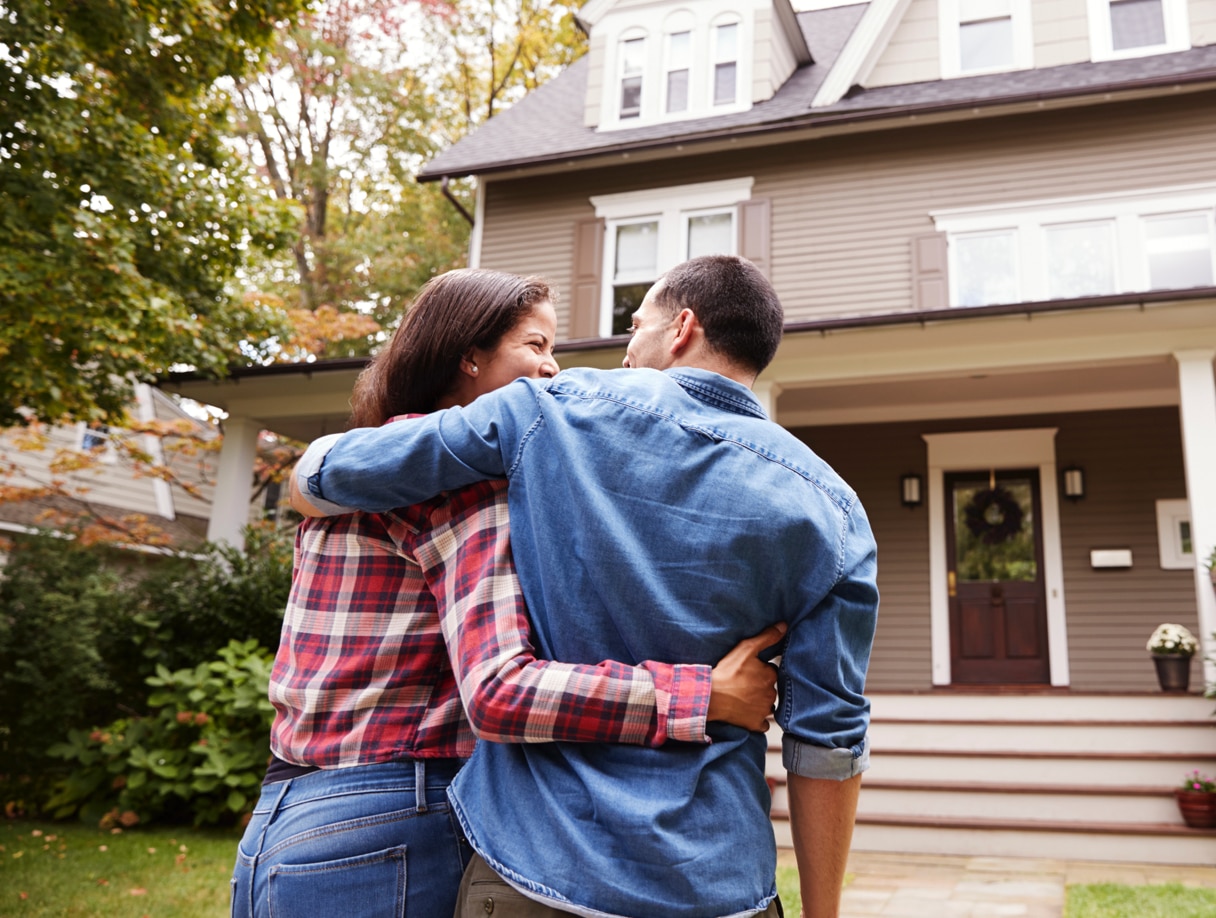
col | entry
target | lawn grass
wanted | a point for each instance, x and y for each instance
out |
(1163, 900)
(787, 890)
(69, 870)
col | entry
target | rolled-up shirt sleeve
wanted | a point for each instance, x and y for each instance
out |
(824, 712)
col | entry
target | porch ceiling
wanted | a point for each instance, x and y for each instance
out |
(1152, 382)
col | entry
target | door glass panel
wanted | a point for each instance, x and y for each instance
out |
(994, 530)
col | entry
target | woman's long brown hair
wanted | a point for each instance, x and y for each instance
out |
(454, 313)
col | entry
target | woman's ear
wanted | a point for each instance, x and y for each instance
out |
(468, 364)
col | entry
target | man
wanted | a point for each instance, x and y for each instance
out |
(663, 507)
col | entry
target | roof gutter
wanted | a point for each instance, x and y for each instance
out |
(832, 119)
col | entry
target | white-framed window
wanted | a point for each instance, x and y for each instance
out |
(96, 438)
(1174, 545)
(650, 231)
(1076, 247)
(985, 36)
(678, 66)
(724, 57)
(695, 61)
(1134, 28)
(631, 69)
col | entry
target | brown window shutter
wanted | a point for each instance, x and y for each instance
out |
(930, 278)
(755, 232)
(585, 279)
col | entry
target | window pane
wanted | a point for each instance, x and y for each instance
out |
(711, 234)
(1179, 251)
(632, 62)
(726, 43)
(994, 531)
(679, 46)
(637, 251)
(626, 298)
(724, 84)
(677, 91)
(1136, 24)
(1080, 260)
(984, 45)
(986, 268)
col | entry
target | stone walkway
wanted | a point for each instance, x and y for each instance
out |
(942, 886)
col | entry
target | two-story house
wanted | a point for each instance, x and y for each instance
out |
(992, 224)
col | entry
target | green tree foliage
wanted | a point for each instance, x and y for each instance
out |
(125, 220)
(337, 120)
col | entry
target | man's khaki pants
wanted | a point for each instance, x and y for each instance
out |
(484, 893)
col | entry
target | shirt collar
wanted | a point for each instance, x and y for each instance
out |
(715, 389)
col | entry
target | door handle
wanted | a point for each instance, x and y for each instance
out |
(951, 583)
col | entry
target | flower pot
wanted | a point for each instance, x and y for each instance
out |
(1173, 671)
(1198, 808)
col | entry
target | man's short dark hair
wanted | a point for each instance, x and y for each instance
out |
(733, 301)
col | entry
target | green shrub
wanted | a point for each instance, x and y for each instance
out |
(58, 665)
(200, 754)
(191, 607)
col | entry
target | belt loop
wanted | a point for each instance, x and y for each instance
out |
(420, 784)
(283, 787)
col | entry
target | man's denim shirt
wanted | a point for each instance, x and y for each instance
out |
(654, 515)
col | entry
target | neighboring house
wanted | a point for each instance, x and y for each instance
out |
(992, 224)
(94, 473)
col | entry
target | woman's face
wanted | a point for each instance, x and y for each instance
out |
(525, 350)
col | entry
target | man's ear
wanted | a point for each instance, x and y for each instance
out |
(686, 327)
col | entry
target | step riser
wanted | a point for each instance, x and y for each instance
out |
(1145, 738)
(1057, 807)
(1042, 708)
(1067, 772)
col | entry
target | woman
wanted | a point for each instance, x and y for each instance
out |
(369, 729)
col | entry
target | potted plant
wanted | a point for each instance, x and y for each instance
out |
(1197, 801)
(1172, 647)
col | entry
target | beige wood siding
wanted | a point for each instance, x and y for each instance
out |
(913, 55)
(1131, 458)
(845, 209)
(773, 61)
(597, 51)
(1203, 22)
(1061, 32)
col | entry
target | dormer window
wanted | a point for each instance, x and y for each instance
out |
(985, 36)
(679, 63)
(726, 63)
(633, 65)
(1134, 28)
(695, 61)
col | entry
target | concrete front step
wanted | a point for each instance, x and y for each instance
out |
(1139, 844)
(944, 707)
(1082, 770)
(1080, 736)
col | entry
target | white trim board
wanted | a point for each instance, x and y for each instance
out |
(998, 449)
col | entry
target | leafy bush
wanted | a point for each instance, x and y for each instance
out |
(200, 754)
(192, 607)
(82, 629)
(57, 662)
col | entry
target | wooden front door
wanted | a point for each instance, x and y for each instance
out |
(998, 606)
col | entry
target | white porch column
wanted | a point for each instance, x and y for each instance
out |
(766, 393)
(1197, 411)
(234, 481)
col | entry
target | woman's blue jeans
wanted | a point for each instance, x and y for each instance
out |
(369, 841)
